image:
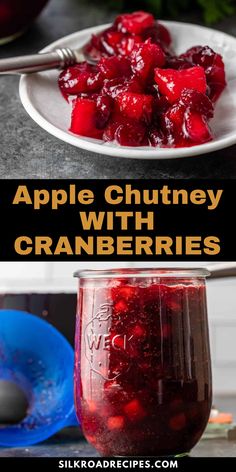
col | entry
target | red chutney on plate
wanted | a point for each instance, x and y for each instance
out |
(141, 93)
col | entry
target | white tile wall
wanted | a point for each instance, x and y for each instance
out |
(41, 276)
(19, 276)
(57, 276)
(22, 270)
(224, 344)
(222, 322)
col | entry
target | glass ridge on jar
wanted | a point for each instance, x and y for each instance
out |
(142, 360)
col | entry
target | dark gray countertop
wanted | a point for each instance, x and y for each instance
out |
(28, 151)
(70, 443)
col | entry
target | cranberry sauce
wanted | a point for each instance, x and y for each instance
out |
(143, 381)
(16, 15)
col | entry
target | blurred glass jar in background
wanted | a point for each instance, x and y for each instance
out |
(16, 16)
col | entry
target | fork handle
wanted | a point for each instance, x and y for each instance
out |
(57, 59)
(225, 269)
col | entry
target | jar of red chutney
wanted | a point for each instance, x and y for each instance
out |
(16, 16)
(142, 360)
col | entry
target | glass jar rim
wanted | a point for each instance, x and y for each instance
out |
(175, 272)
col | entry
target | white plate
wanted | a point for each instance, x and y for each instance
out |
(42, 99)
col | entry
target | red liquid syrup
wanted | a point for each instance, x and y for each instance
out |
(16, 15)
(143, 383)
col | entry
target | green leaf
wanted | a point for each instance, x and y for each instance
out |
(176, 7)
(155, 6)
(117, 5)
(215, 10)
(212, 10)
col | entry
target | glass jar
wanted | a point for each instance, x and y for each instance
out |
(16, 16)
(142, 360)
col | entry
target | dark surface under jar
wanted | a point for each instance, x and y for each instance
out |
(143, 384)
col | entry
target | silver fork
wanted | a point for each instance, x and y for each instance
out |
(58, 59)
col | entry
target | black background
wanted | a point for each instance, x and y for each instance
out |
(187, 464)
(172, 220)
